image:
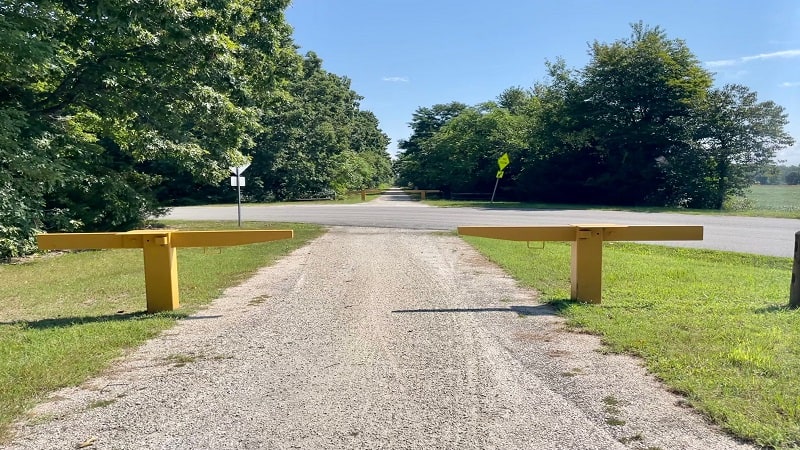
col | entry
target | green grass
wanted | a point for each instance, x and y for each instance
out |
(778, 198)
(63, 318)
(779, 201)
(349, 199)
(713, 325)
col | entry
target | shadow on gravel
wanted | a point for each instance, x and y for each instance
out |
(538, 310)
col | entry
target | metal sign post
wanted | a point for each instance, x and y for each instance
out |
(502, 162)
(238, 181)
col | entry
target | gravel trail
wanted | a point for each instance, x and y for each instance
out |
(372, 338)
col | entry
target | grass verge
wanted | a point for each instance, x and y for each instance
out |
(714, 326)
(63, 318)
(781, 199)
(776, 201)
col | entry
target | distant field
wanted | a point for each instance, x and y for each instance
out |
(780, 201)
(775, 198)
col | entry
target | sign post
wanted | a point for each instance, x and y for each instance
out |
(502, 162)
(238, 181)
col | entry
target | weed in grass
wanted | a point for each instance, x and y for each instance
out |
(258, 300)
(611, 404)
(36, 419)
(635, 438)
(757, 360)
(180, 360)
(101, 403)
(615, 421)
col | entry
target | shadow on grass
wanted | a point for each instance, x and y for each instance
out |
(538, 310)
(787, 308)
(64, 322)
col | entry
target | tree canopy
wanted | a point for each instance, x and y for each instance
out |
(111, 110)
(640, 124)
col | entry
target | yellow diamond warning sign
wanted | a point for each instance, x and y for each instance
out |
(502, 162)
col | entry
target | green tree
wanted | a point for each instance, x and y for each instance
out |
(639, 124)
(96, 95)
(462, 155)
(318, 141)
(412, 165)
(636, 96)
(553, 166)
(736, 136)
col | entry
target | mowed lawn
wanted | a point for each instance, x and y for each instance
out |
(714, 326)
(775, 198)
(64, 317)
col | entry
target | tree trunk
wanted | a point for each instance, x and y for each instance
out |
(722, 184)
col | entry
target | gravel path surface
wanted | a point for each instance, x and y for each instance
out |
(372, 338)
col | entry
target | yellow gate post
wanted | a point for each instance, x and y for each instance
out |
(160, 256)
(586, 266)
(422, 192)
(160, 273)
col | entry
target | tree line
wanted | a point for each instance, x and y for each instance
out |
(778, 174)
(112, 111)
(640, 124)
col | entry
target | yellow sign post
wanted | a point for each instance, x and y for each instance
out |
(587, 246)
(160, 257)
(502, 162)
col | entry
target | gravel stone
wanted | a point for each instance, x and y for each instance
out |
(372, 338)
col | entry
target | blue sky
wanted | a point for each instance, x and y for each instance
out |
(404, 54)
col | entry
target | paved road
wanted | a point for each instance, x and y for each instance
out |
(742, 234)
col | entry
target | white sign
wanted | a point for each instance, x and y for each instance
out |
(237, 181)
(239, 170)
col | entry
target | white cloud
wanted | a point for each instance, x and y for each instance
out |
(722, 63)
(788, 84)
(396, 79)
(781, 54)
(732, 62)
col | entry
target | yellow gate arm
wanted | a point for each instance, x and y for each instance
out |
(587, 246)
(160, 257)
(422, 192)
